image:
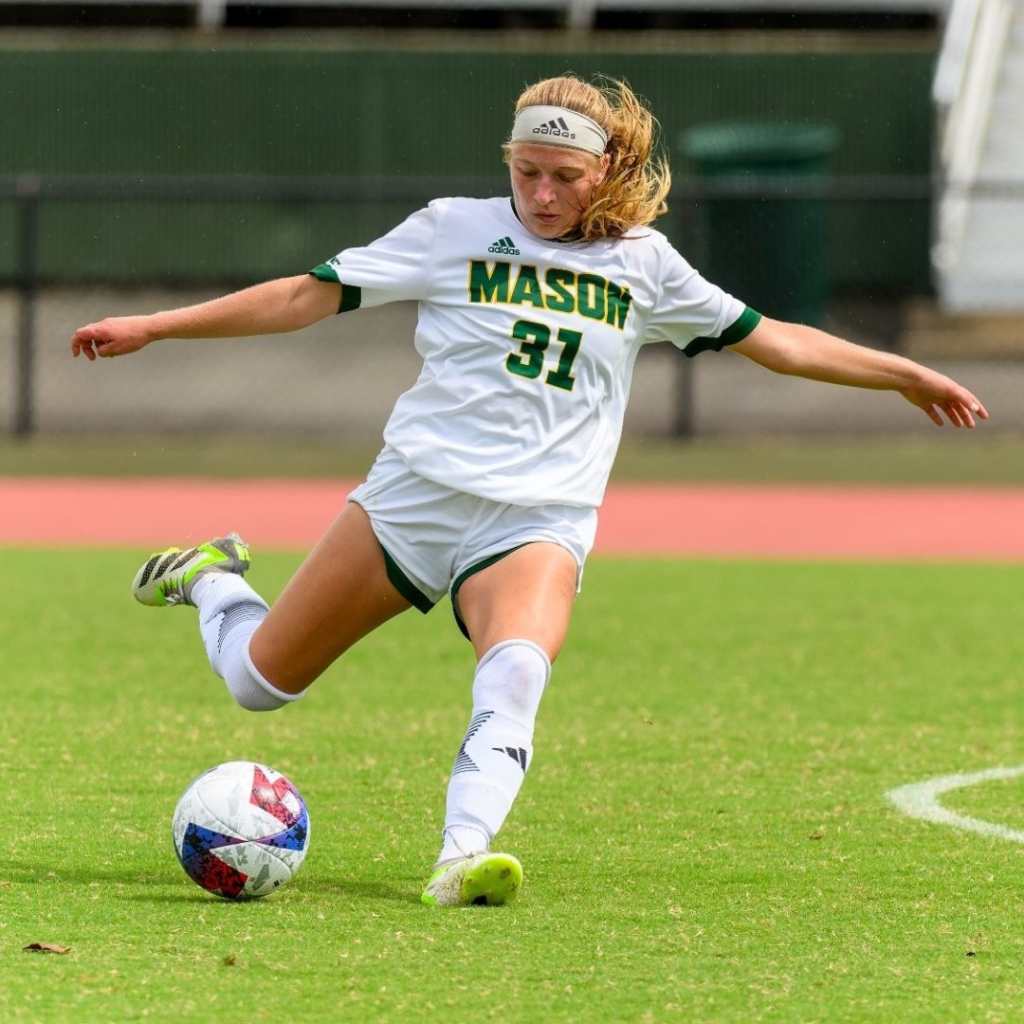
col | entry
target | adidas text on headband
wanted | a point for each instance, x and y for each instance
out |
(558, 126)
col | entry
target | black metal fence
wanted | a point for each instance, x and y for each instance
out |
(174, 233)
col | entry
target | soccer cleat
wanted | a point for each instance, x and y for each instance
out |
(487, 879)
(168, 577)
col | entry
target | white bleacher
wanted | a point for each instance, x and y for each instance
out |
(979, 94)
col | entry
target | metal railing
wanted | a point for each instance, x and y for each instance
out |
(30, 193)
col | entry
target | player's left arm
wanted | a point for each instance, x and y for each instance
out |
(801, 351)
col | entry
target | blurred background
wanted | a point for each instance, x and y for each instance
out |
(857, 164)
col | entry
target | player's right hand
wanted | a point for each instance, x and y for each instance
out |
(115, 336)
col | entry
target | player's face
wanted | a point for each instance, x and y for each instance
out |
(552, 186)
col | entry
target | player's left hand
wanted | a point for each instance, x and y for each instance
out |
(942, 395)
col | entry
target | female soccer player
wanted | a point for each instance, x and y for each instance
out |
(532, 310)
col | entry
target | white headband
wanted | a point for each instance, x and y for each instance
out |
(558, 126)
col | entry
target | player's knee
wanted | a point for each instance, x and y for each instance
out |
(250, 688)
(511, 678)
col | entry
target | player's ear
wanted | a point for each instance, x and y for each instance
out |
(602, 170)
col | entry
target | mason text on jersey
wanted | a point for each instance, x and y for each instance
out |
(560, 290)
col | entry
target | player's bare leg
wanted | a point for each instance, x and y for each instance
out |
(339, 594)
(528, 595)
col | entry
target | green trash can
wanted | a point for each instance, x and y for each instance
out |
(770, 251)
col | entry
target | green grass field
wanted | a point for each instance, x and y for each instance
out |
(704, 829)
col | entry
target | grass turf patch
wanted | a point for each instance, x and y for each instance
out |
(704, 829)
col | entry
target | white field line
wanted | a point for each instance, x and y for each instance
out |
(920, 800)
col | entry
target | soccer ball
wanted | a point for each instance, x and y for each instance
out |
(241, 830)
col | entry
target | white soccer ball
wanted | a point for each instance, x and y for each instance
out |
(241, 830)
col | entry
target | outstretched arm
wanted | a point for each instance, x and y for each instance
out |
(802, 351)
(273, 307)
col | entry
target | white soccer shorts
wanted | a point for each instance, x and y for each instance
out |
(435, 538)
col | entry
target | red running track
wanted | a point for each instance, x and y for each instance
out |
(710, 520)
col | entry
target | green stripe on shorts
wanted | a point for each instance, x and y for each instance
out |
(405, 586)
(472, 571)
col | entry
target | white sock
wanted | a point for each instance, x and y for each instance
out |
(492, 761)
(230, 611)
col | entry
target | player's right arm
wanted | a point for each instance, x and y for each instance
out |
(274, 307)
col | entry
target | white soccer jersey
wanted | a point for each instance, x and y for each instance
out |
(528, 345)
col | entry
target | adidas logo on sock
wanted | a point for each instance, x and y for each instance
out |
(556, 126)
(516, 753)
(504, 247)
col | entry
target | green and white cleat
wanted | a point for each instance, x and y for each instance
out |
(486, 879)
(168, 577)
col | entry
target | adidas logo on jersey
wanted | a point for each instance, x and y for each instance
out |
(556, 126)
(504, 246)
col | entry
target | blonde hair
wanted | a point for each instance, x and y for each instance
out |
(638, 179)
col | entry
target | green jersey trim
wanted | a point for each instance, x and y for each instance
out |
(351, 295)
(322, 272)
(735, 332)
